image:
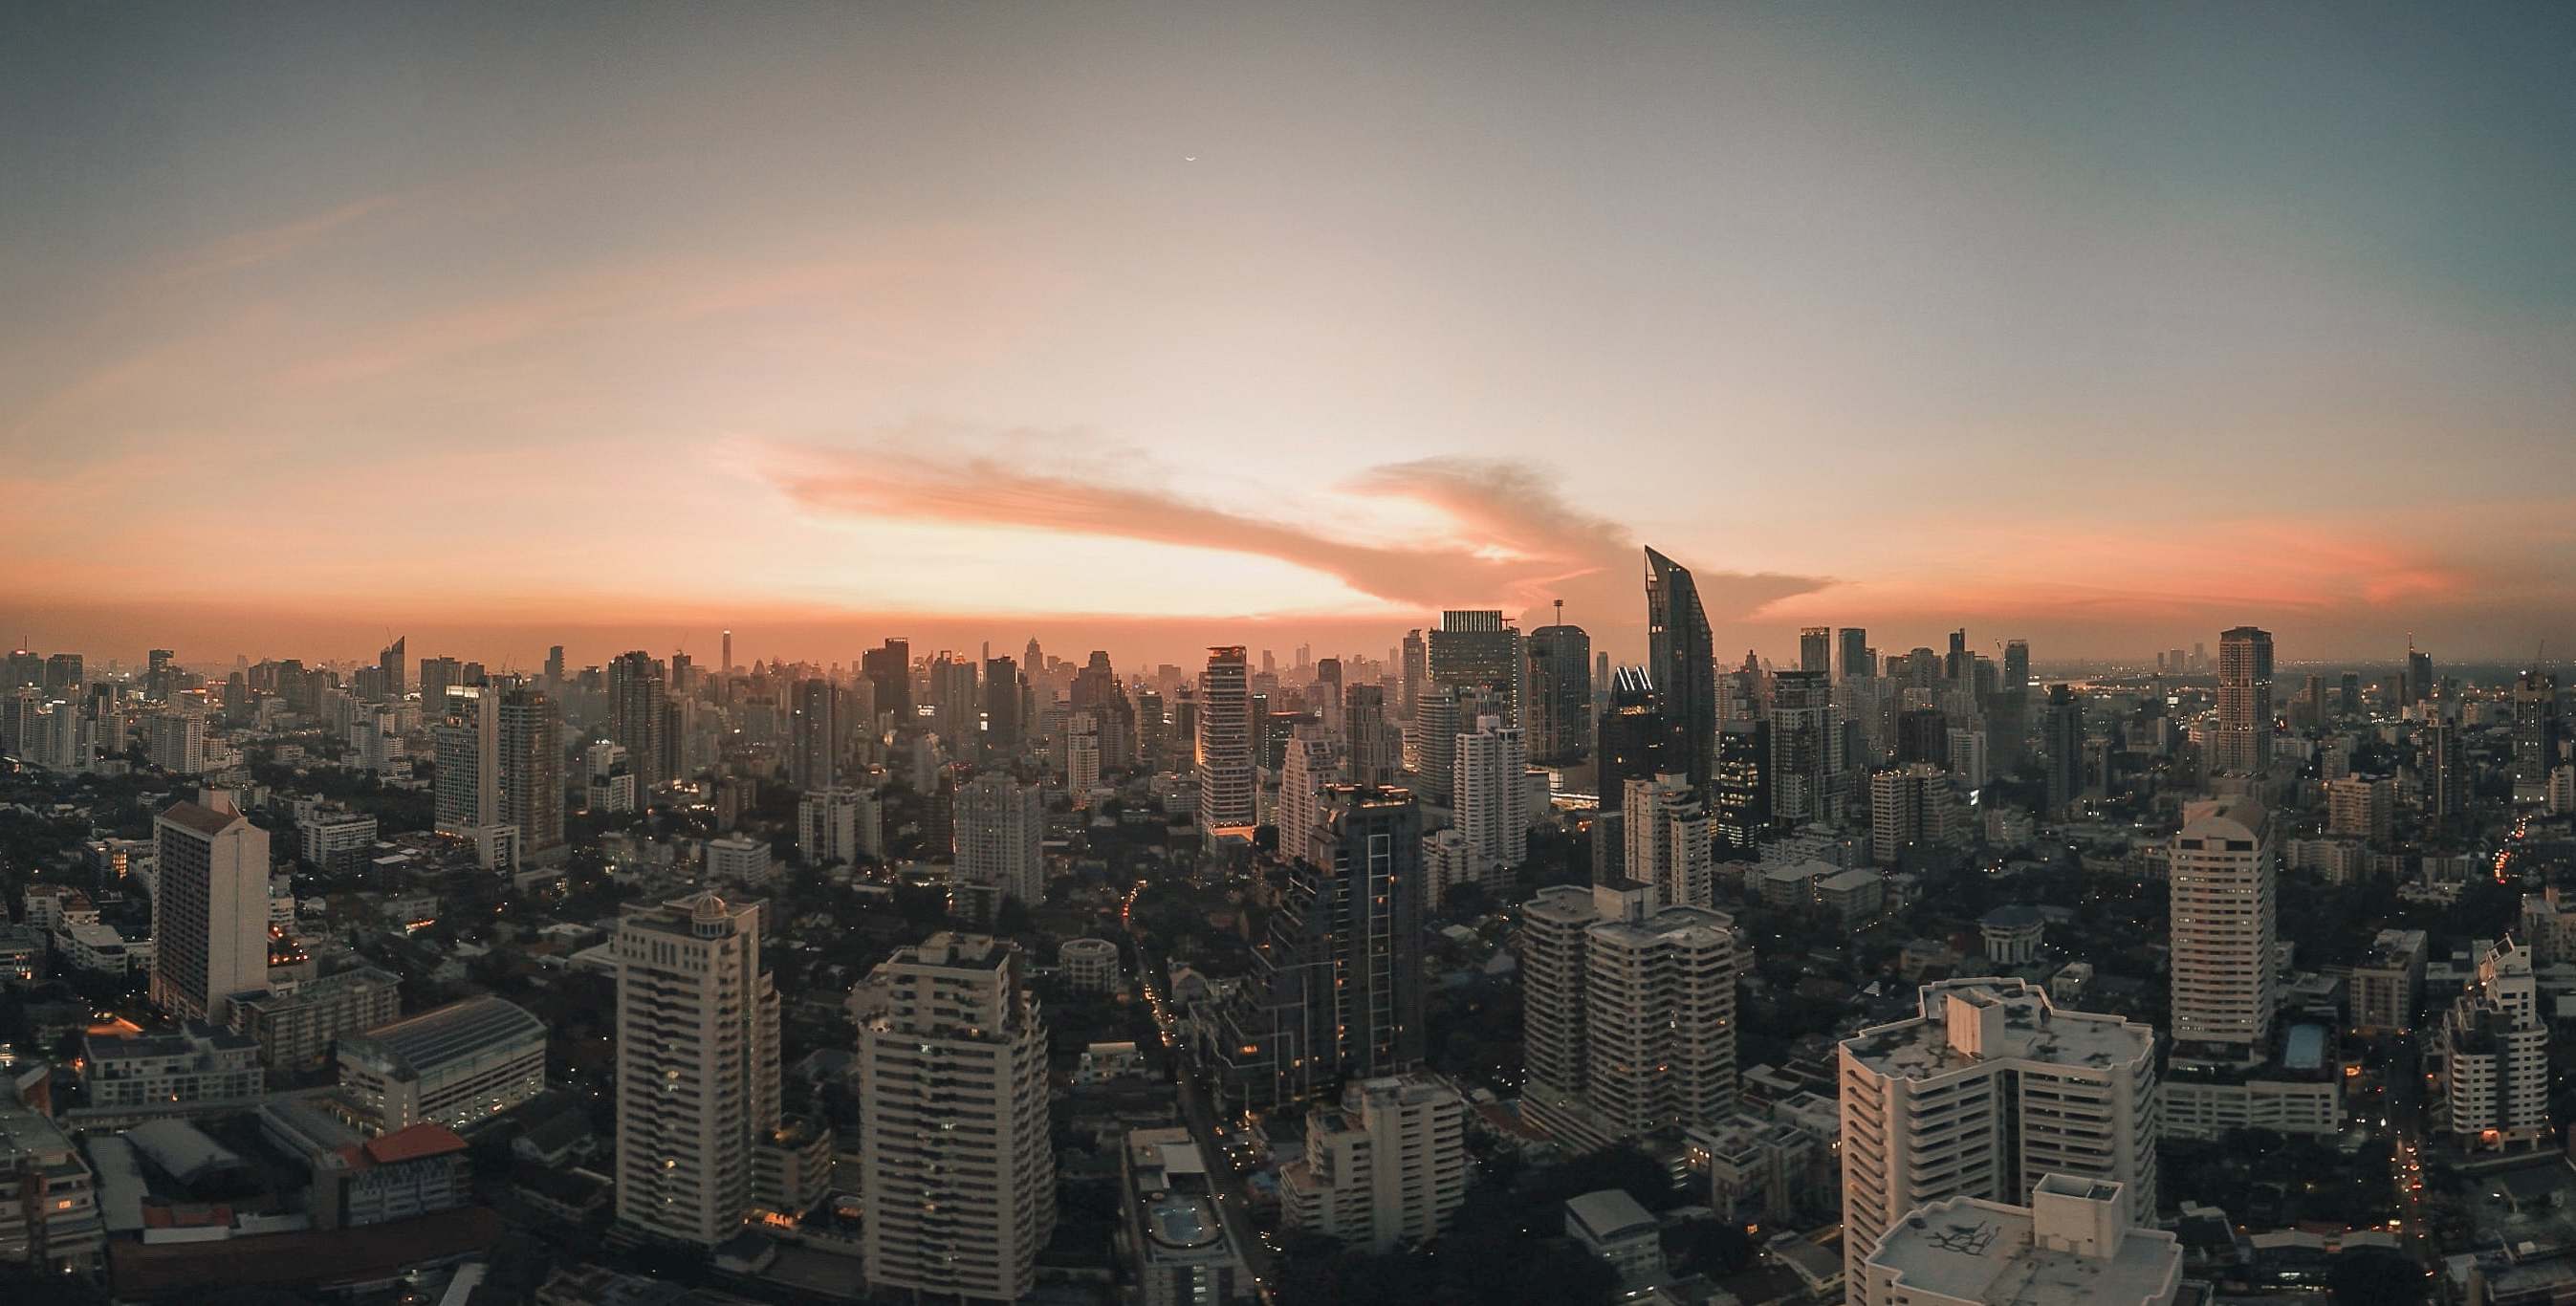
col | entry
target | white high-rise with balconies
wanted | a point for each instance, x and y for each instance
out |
(2225, 923)
(2494, 1058)
(697, 1066)
(1986, 1092)
(1628, 1020)
(1665, 826)
(1390, 1166)
(1492, 783)
(953, 1150)
(1304, 769)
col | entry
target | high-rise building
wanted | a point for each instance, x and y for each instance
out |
(1739, 798)
(697, 1067)
(2419, 684)
(2008, 710)
(1389, 1166)
(1005, 709)
(1375, 744)
(953, 1147)
(467, 786)
(1479, 652)
(2242, 744)
(889, 668)
(1909, 807)
(1669, 846)
(1985, 1094)
(813, 736)
(828, 826)
(2222, 883)
(209, 907)
(1816, 649)
(1681, 662)
(63, 677)
(1416, 673)
(1859, 660)
(1493, 800)
(1806, 774)
(1560, 694)
(1001, 836)
(2539, 733)
(638, 719)
(532, 773)
(1229, 796)
(1628, 1023)
(2061, 742)
(2442, 770)
(178, 741)
(554, 669)
(2361, 807)
(1307, 768)
(391, 663)
(2493, 1058)
(1336, 989)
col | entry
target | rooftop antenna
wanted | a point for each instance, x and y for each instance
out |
(1560, 612)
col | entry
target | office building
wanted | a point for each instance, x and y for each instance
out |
(2242, 742)
(1493, 800)
(953, 1148)
(1229, 794)
(1560, 693)
(1628, 1018)
(2061, 743)
(1816, 649)
(209, 907)
(1479, 653)
(1388, 1166)
(1682, 669)
(1005, 709)
(1000, 836)
(2442, 772)
(2493, 1058)
(1984, 1094)
(530, 737)
(2075, 1244)
(697, 1067)
(1336, 988)
(455, 1066)
(2223, 887)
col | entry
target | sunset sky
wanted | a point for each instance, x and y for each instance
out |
(2102, 326)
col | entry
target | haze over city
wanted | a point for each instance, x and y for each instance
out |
(1117, 325)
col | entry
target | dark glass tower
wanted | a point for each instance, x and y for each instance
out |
(1682, 662)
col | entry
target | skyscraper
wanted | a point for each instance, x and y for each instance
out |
(1681, 662)
(697, 1066)
(1303, 774)
(1001, 836)
(890, 667)
(1479, 652)
(1416, 672)
(1806, 773)
(1005, 701)
(1560, 694)
(1493, 800)
(2442, 769)
(637, 718)
(2243, 742)
(1668, 841)
(1336, 989)
(2061, 741)
(813, 736)
(1988, 1091)
(209, 907)
(2225, 922)
(2539, 731)
(953, 1147)
(391, 663)
(2419, 674)
(2008, 712)
(1816, 649)
(2493, 1058)
(1859, 662)
(1628, 1022)
(467, 784)
(1376, 744)
(532, 773)
(1229, 797)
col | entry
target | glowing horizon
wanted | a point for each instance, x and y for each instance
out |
(2104, 330)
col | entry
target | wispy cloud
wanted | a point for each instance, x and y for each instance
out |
(1509, 537)
(268, 244)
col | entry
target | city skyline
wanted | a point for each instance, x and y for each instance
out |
(2132, 325)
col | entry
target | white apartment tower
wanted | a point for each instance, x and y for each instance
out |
(1984, 1094)
(1665, 826)
(1390, 1166)
(1304, 770)
(2225, 921)
(1229, 794)
(1492, 786)
(2494, 1057)
(953, 1149)
(1628, 1025)
(827, 825)
(1001, 834)
(697, 1067)
(209, 908)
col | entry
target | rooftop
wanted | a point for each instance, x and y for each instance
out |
(1609, 1214)
(201, 819)
(1967, 1023)
(434, 1038)
(1983, 1251)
